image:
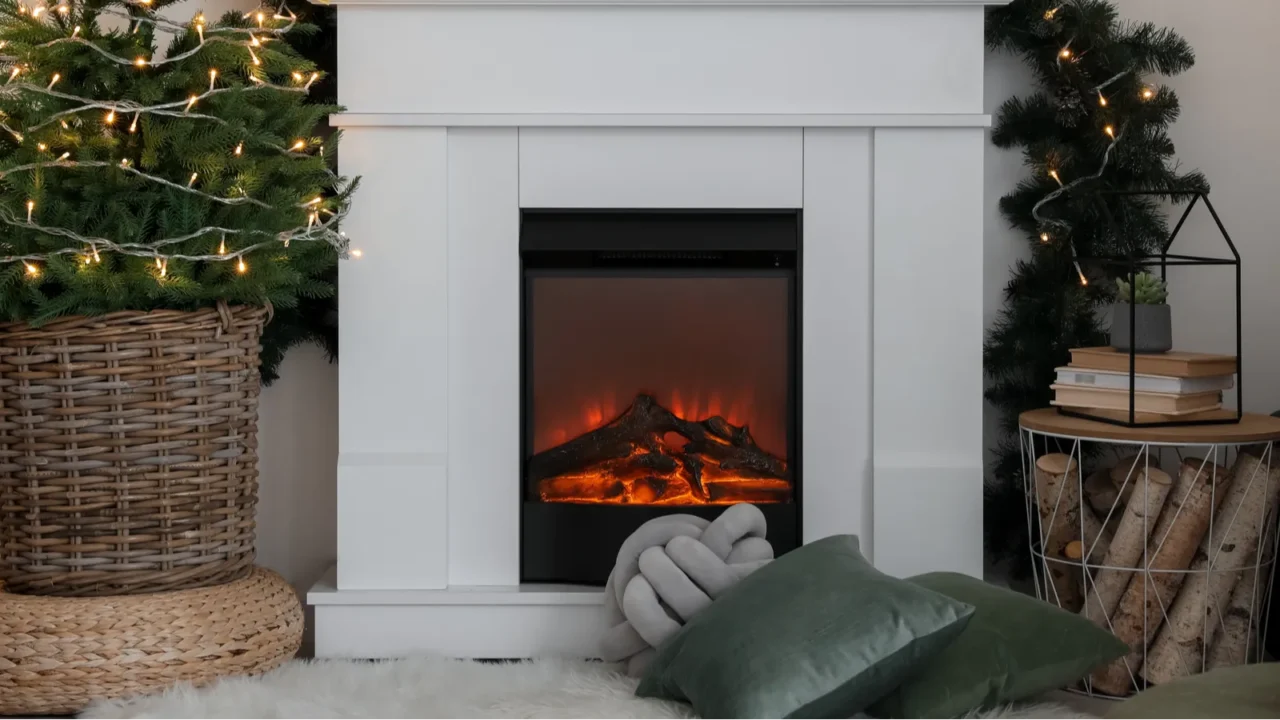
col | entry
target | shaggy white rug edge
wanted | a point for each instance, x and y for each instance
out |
(433, 688)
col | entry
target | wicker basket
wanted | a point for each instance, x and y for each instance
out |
(128, 451)
(58, 654)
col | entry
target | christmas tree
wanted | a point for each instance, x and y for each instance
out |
(138, 179)
(1096, 123)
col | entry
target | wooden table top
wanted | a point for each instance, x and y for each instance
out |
(1251, 428)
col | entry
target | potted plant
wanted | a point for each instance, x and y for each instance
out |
(1144, 303)
(162, 193)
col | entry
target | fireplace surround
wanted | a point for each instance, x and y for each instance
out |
(660, 374)
(862, 117)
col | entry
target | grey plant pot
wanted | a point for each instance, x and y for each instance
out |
(1153, 328)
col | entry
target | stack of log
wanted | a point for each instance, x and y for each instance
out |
(1159, 559)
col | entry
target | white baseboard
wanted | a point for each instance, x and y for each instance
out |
(466, 622)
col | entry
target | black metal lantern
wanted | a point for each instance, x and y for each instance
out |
(1130, 265)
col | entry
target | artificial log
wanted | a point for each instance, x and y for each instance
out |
(1177, 535)
(1238, 640)
(1193, 621)
(1138, 519)
(1100, 493)
(642, 426)
(1058, 499)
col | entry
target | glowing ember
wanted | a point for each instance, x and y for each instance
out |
(650, 456)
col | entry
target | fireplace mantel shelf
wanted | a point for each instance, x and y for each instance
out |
(722, 120)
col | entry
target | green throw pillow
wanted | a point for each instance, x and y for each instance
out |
(1015, 647)
(1247, 691)
(816, 633)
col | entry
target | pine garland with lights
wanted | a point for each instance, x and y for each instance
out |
(135, 179)
(1094, 124)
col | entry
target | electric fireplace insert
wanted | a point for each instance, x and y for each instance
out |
(660, 374)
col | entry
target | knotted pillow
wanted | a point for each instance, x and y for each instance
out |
(671, 568)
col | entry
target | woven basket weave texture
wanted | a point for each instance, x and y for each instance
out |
(128, 451)
(58, 654)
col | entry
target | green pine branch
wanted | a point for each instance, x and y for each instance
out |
(1091, 71)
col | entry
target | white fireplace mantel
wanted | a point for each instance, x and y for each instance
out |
(864, 114)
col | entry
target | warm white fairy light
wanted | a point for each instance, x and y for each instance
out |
(315, 230)
(357, 253)
(1110, 131)
(54, 80)
(37, 12)
(32, 269)
(1102, 99)
(1148, 93)
(1054, 174)
(41, 147)
(1044, 237)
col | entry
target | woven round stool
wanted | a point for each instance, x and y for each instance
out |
(58, 654)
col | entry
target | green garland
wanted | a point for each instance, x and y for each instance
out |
(1095, 123)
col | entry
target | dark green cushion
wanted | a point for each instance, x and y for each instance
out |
(815, 633)
(1015, 647)
(1250, 691)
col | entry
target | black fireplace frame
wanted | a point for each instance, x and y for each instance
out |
(641, 243)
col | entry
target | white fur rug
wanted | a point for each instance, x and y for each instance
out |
(429, 688)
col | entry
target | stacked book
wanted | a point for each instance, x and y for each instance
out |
(1172, 386)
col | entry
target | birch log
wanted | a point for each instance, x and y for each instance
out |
(1238, 640)
(1136, 523)
(1100, 493)
(1173, 545)
(1058, 498)
(1193, 623)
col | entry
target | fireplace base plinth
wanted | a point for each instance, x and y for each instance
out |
(568, 542)
(474, 622)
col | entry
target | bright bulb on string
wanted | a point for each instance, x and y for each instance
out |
(1148, 93)
(242, 267)
(1044, 237)
(1054, 174)
(133, 126)
(32, 270)
(1102, 99)
(191, 101)
(64, 156)
(1064, 53)
(357, 253)
(54, 81)
(252, 55)
(110, 118)
(36, 13)
(1110, 131)
(75, 32)
(31, 207)
(222, 247)
(140, 61)
(41, 147)
(239, 149)
(192, 181)
(298, 145)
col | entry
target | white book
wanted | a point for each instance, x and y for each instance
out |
(1144, 383)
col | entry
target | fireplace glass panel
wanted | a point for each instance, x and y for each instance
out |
(660, 375)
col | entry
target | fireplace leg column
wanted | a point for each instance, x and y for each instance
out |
(927, 419)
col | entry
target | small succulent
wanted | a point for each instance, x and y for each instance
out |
(1151, 290)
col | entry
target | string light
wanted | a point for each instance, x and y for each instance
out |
(222, 246)
(96, 257)
(357, 253)
(1110, 131)
(1102, 99)
(1148, 93)
(313, 201)
(162, 266)
(32, 269)
(321, 224)
(36, 13)
(1065, 53)
(1044, 237)
(1054, 174)
(1048, 14)
(1084, 281)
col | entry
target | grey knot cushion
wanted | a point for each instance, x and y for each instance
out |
(670, 569)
